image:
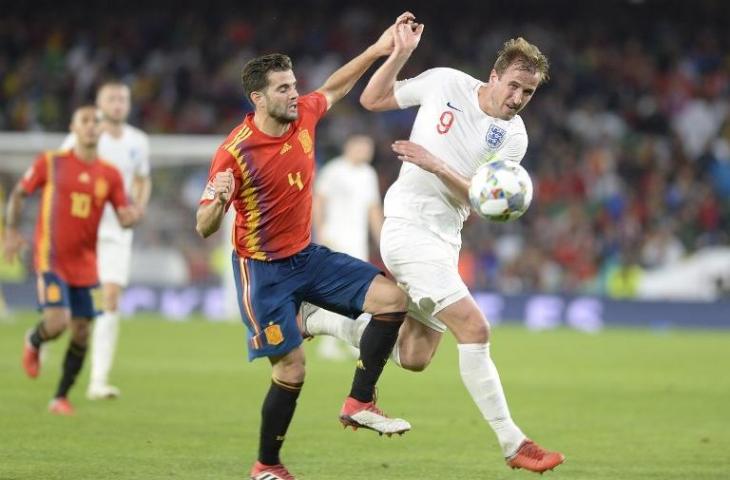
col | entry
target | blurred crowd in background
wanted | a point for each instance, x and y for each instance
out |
(629, 141)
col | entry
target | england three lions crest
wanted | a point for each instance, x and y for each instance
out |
(495, 137)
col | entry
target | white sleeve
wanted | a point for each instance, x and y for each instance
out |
(143, 164)
(68, 142)
(411, 92)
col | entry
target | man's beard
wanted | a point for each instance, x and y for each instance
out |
(283, 116)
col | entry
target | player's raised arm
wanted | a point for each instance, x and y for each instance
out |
(343, 79)
(379, 93)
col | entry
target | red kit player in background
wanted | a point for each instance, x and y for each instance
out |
(75, 186)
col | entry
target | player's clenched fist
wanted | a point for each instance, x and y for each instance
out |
(407, 33)
(223, 186)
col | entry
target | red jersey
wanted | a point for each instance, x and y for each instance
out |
(72, 202)
(272, 195)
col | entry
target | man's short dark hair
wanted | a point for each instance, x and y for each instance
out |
(255, 73)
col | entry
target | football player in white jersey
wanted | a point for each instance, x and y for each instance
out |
(346, 207)
(127, 148)
(461, 123)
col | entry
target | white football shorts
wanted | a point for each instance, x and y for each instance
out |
(113, 259)
(425, 266)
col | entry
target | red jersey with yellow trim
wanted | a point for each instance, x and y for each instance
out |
(273, 183)
(74, 193)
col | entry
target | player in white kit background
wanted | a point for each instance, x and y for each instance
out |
(346, 208)
(461, 123)
(127, 148)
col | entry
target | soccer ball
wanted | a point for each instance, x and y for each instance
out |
(500, 191)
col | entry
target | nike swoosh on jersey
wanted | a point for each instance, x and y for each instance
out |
(448, 104)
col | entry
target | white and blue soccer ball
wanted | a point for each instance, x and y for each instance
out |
(500, 191)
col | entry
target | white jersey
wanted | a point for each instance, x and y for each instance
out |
(130, 154)
(349, 192)
(451, 125)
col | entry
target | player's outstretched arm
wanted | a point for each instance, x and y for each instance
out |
(210, 215)
(13, 241)
(414, 153)
(379, 94)
(342, 80)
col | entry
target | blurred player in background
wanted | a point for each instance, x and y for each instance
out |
(345, 207)
(127, 148)
(461, 123)
(265, 169)
(76, 185)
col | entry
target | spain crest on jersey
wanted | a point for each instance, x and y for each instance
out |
(273, 333)
(495, 137)
(101, 190)
(306, 140)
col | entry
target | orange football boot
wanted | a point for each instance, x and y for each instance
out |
(259, 471)
(534, 458)
(61, 406)
(31, 359)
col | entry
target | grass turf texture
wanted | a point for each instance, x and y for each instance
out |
(623, 405)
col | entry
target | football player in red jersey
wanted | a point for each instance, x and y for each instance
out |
(264, 169)
(75, 186)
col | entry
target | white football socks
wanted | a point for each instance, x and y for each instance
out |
(324, 322)
(103, 346)
(482, 380)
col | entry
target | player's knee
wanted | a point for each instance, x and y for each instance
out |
(291, 367)
(111, 297)
(394, 300)
(291, 373)
(476, 329)
(80, 331)
(111, 303)
(55, 322)
(415, 357)
(415, 364)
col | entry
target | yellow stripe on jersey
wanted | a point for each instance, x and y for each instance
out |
(251, 213)
(44, 245)
(232, 147)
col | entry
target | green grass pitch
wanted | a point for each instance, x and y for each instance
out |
(624, 404)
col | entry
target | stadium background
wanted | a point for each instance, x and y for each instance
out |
(629, 151)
